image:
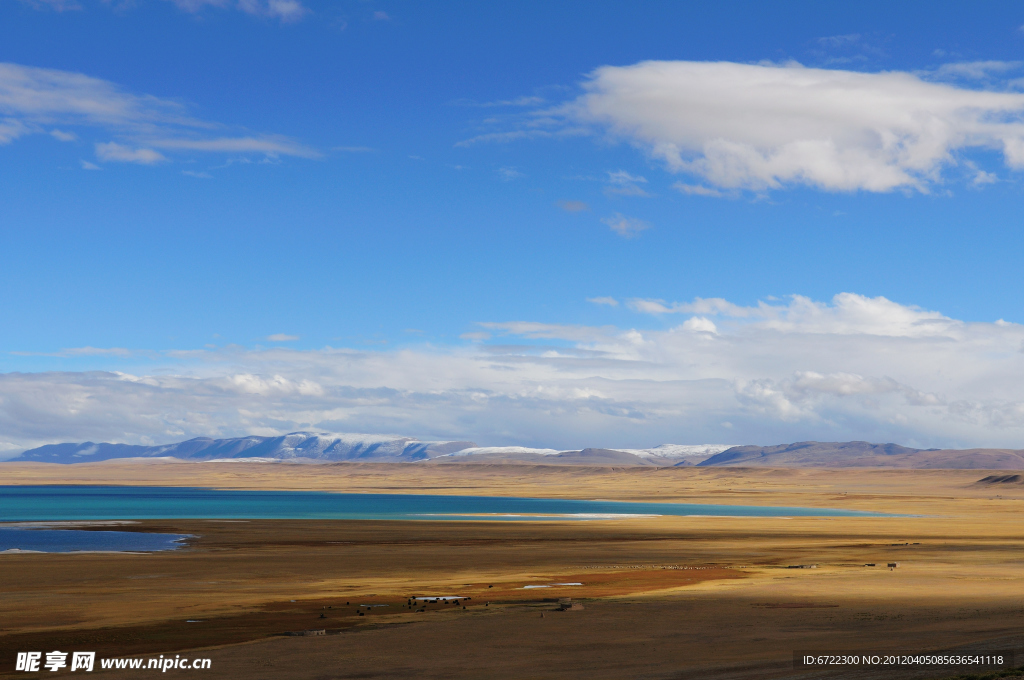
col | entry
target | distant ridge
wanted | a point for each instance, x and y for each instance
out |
(865, 454)
(333, 447)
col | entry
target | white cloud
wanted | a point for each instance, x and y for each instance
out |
(86, 165)
(758, 127)
(700, 324)
(246, 383)
(610, 301)
(282, 337)
(851, 368)
(982, 178)
(627, 227)
(112, 151)
(33, 99)
(381, 16)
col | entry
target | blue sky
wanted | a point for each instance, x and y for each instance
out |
(184, 180)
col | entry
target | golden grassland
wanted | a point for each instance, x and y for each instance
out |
(664, 597)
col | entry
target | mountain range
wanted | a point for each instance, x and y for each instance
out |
(331, 447)
(296, 445)
(323, 447)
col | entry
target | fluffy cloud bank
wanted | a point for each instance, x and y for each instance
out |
(33, 100)
(850, 368)
(757, 127)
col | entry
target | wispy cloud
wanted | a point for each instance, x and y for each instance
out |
(573, 206)
(283, 10)
(270, 145)
(112, 151)
(974, 70)
(518, 101)
(627, 227)
(610, 301)
(96, 351)
(33, 99)
(506, 136)
(286, 11)
(621, 183)
(282, 337)
(55, 5)
(697, 190)
(509, 173)
(839, 41)
(72, 352)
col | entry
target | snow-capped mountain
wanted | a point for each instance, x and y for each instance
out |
(306, 445)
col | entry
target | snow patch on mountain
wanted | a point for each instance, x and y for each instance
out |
(481, 450)
(679, 450)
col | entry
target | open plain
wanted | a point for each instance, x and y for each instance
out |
(664, 597)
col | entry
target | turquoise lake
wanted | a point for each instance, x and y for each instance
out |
(54, 503)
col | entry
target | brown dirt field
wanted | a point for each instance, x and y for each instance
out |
(736, 612)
